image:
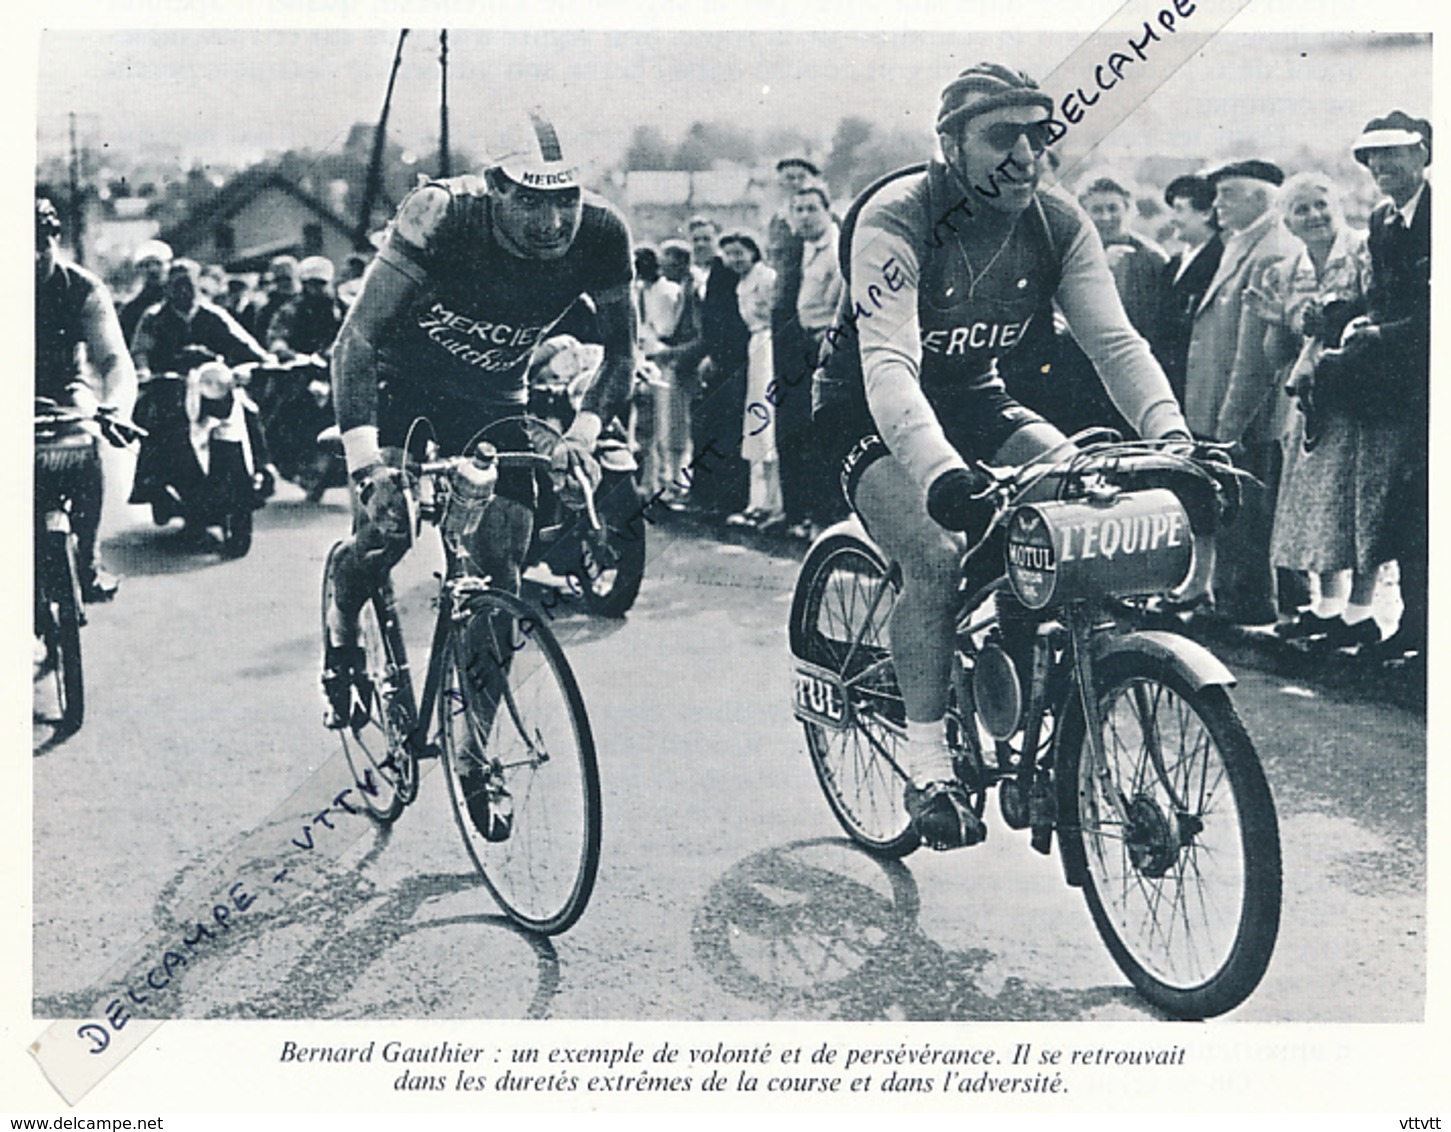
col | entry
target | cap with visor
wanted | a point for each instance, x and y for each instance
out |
(529, 154)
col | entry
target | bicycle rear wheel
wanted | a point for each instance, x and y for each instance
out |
(385, 770)
(516, 737)
(1185, 890)
(847, 699)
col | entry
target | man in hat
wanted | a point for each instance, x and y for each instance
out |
(951, 269)
(309, 321)
(1393, 342)
(152, 260)
(1230, 390)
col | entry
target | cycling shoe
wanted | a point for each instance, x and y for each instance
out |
(343, 666)
(489, 804)
(942, 816)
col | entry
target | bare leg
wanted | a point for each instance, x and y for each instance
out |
(921, 629)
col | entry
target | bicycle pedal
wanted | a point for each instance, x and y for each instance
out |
(429, 751)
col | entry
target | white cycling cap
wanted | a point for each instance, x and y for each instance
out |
(528, 152)
(315, 267)
(152, 249)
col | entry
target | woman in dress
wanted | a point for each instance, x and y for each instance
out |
(1330, 519)
(758, 434)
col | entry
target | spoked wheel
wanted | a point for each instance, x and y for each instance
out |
(612, 566)
(520, 762)
(385, 770)
(237, 532)
(1183, 876)
(839, 616)
(62, 630)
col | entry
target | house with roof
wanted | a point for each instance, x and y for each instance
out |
(256, 215)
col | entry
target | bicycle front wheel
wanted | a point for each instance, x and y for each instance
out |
(1179, 838)
(520, 761)
(384, 768)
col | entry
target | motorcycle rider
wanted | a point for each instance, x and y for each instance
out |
(473, 273)
(308, 322)
(73, 308)
(185, 319)
(951, 269)
(153, 261)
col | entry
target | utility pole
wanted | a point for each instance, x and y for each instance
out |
(77, 219)
(445, 164)
(375, 164)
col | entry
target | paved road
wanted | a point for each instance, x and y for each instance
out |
(726, 889)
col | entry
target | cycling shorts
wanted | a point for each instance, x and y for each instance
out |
(978, 425)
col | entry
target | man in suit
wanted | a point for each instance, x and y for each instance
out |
(1230, 390)
(720, 397)
(1189, 272)
(1393, 341)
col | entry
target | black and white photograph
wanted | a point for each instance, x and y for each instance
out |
(594, 562)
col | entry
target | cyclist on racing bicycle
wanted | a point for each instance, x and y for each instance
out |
(474, 273)
(952, 267)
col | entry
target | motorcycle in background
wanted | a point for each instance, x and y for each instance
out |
(602, 553)
(295, 400)
(205, 459)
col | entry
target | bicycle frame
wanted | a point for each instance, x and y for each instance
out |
(457, 583)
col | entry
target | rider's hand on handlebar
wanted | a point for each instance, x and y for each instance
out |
(961, 499)
(383, 492)
(573, 458)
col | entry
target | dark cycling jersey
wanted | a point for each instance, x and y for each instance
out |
(945, 293)
(469, 333)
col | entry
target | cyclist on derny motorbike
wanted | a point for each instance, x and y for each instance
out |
(73, 308)
(954, 269)
(474, 272)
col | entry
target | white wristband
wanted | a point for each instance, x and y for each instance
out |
(360, 447)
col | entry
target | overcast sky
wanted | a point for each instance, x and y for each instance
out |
(232, 96)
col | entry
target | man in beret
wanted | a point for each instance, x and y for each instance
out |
(1230, 390)
(1394, 343)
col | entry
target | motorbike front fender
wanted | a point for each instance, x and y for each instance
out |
(1202, 668)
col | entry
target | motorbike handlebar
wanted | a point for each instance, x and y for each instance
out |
(117, 430)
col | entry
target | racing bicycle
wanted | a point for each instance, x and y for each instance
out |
(1119, 740)
(511, 727)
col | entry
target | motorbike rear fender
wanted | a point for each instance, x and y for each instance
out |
(848, 530)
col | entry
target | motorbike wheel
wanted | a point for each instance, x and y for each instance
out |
(611, 568)
(839, 615)
(1186, 894)
(237, 532)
